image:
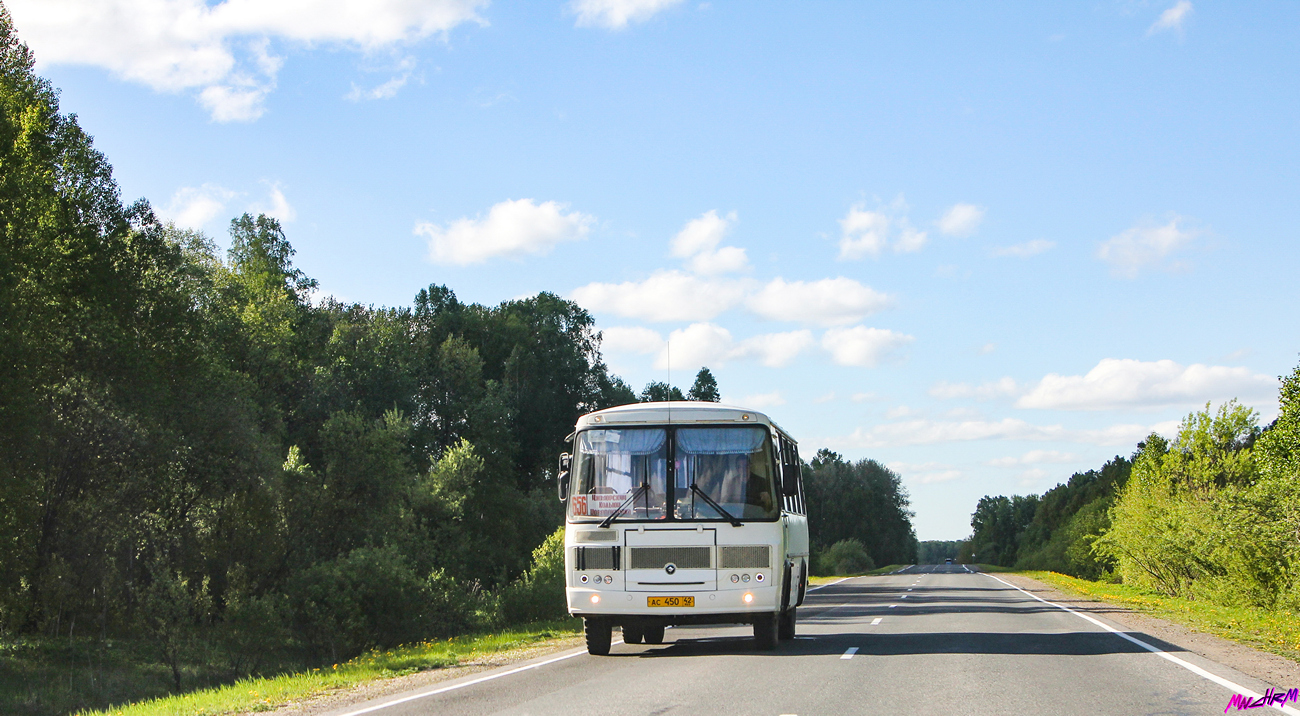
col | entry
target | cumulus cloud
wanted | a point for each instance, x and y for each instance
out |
(1172, 18)
(664, 296)
(1035, 457)
(1025, 250)
(708, 344)
(926, 472)
(616, 14)
(1143, 245)
(861, 346)
(924, 432)
(868, 233)
(1002, 388)
(196, 207)
(279, 207)
(511, 228)
(828, 302)
(219, 50)
(385, 90)
(961, 220)
(760, 400)
(1128, 384)
(698, 241)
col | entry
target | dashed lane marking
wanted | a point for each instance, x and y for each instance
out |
(876, 621)
(849, 654)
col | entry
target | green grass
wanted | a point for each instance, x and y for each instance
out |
(251, 694)
(1275, 631)
(816, 580)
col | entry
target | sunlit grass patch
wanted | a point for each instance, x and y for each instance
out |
(1276, 631)
(267, 693)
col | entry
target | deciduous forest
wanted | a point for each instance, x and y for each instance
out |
(1213, 514)
(206, 469)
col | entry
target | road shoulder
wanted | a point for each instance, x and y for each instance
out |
(1266, 667)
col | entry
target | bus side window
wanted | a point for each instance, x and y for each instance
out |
(799, 464)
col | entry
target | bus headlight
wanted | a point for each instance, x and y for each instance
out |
(735, 578)
(759, 576)
(749, 598)
(595, 598)
(583, 579)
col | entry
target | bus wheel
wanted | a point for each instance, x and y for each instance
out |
(654, 634)
(787, 624)
(598, 632)
(632, 634)
(765, 631)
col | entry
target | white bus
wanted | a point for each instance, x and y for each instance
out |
(683, 513)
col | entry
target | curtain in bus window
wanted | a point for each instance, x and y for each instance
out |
(614, 463)
(732, 465)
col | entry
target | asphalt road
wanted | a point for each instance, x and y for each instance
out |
(928, 640)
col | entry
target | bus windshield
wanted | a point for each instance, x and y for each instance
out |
(629, 468)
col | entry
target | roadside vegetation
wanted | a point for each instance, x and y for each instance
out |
(1203, 528)
(211, 473)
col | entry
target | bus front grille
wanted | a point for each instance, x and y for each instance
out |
(756, 557)
(596, 558)
(683, 557)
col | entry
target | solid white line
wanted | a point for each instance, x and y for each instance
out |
(481, 679)
(829, 584)
(849, 654)
(876, 621)
(1232, 686)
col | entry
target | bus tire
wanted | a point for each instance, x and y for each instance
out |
(803, 583)
(787, 624)
(765, 631)
(632, 634)
(598, 633)
(654, 634)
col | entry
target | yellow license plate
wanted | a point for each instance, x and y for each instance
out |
(670, 601)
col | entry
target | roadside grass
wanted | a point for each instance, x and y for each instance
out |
(815, 581)
(268, 693)
(993, 568)
(1275, 631)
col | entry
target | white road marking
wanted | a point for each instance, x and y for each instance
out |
(904, 596)
(1231, 686)
(481, 679)
(849, 654)
(891, 606)
(876, 621)
(829, 584)
(909, 589)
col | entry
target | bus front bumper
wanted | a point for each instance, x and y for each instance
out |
(585, 601)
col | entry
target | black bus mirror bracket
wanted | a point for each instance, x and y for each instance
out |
(562, 475)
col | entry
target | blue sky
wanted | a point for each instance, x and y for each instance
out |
(986, 244)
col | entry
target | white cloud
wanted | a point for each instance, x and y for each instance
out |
(221, 49)
(1126, 384)
(925, 473)
(1025, 250)
(828, 302)
(385, 90)
(862, 346)
(961, 220)
(1141, 246)
(867, 233)
(616, 14)
(987, 348)
(1032, 476)
(985, 391)
(1172, 18)
(279, 208)
(900, 411)
(630, 339)
(1035, 457)
(702, 344)
(761, 400)
(664, 296)
(825, 398)
(195, 207)
(925, 432)
(699, 239)
(512, 228)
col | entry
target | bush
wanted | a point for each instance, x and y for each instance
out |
(847, 556)
(539, 593)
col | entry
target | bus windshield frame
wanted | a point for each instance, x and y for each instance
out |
(663, 473)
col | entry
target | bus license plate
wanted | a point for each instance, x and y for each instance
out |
(670, 601)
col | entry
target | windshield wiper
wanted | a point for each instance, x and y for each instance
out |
(630, 499)
(734, 522)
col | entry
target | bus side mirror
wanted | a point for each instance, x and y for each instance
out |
(790, 479)
(566, 461)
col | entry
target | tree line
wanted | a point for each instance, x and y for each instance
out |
(1212, 514)
(197, 455)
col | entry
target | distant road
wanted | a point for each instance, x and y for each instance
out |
(932, 639)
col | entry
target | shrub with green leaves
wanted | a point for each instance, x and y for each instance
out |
(848, 556)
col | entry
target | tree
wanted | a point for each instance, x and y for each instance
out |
(658, 392)
(705, 387)
(863, 501)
